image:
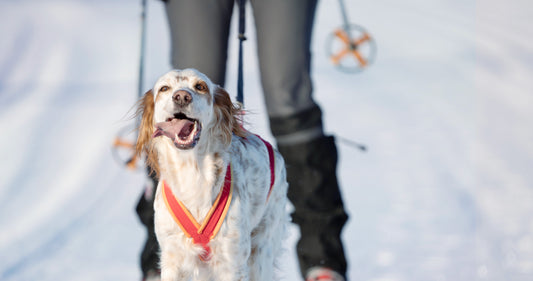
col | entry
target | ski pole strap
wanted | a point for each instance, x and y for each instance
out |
(242, 37)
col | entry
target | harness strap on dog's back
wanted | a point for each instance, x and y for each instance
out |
(201, 234)
(272, 164)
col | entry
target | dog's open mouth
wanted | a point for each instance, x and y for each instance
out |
(184, 131)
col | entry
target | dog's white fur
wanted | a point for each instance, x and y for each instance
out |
(250, 238)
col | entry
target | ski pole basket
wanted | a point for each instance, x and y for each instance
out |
(350, 47)
(123, 149)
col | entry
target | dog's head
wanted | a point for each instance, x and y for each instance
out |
(185, 107)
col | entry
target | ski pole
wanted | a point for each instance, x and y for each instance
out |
(242, 37)
(132, 161)
(143, 43)
(346, 25)
(352, 143)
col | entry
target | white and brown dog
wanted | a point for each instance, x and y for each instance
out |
(220, 206)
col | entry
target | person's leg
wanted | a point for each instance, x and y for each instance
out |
(319, 212)
(283, 39)
(284, 35)
(199, 36)
(199, 32)
(145, 211)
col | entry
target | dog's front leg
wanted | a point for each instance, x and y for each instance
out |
(170, 267)
(239, 273)
(232, 263)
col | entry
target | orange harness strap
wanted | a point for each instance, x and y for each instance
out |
(202, 234)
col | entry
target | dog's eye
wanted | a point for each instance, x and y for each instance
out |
(201, 87)
(164, 89)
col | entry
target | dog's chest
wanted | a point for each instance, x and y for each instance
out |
(198, 191)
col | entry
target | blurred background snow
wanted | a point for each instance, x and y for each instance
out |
(445, 191)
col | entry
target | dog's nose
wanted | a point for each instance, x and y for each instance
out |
(182, 98)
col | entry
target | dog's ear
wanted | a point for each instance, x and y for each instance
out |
(227, 116)
(145, 109)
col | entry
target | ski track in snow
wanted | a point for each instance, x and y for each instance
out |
(444, 192)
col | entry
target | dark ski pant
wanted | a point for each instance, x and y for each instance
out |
(199, 33)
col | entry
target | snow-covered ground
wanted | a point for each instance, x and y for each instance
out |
(445, 191)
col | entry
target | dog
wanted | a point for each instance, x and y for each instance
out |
(220, 205)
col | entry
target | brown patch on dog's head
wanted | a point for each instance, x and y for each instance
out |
(227, 116)
(182, 78)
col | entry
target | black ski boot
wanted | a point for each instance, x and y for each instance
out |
(319, 211)
(145, 211)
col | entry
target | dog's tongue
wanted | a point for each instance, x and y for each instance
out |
(180, 127)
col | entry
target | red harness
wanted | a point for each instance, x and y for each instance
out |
(202, 234)
(272, 164)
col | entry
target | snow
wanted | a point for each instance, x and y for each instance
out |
(444, 192)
